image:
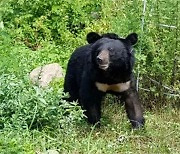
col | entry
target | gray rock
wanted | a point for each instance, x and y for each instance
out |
(43, 75)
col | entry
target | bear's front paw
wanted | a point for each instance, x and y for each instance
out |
(138, 123)
(93, 119)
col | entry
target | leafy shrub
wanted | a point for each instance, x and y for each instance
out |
(27, 106)
(35, 21)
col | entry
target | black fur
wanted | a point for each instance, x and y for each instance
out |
(83, 72)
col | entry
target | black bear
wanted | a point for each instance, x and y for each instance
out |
(104, 66)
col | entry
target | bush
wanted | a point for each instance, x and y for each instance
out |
(27, 106)
(60, 21)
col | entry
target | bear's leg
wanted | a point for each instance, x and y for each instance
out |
(133, 108)
(92, 111)
(90, 100)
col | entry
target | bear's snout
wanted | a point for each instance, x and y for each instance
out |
(103, 59)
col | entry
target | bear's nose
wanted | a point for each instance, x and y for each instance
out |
(99, 60)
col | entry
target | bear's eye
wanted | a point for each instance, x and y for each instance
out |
(110, 49)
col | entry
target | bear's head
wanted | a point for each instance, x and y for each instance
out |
(111, 52)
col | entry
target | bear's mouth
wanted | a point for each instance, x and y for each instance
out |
(104, 66)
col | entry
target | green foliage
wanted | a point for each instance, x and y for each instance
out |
(59, 21)
(27, 106)
(15, 143)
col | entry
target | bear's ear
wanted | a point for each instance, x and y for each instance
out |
(132, 38)
(92, 37)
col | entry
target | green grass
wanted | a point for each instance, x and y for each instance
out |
(161, 135)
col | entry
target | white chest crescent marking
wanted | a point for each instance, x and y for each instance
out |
(119, 87)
